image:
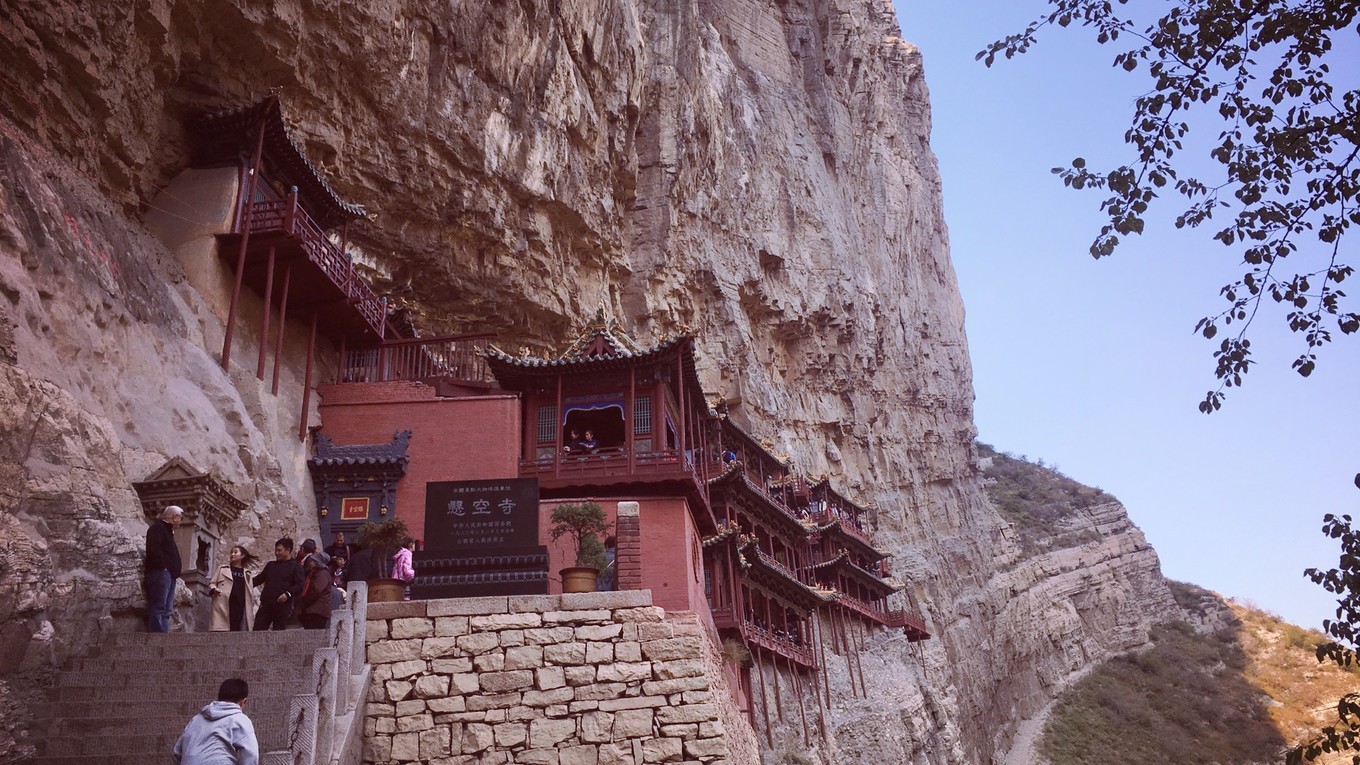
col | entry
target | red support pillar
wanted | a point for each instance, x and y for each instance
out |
(290, 221)
(283, 324)
(559, 425)
(628, 421)
(307, 382)
(268, 305)
(340, 361)
(241, 254)
(628, 553)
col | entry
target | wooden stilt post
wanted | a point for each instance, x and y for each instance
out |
(764, 700)
(845, 645)
(778, 697)
(802, 709)
(283, 324)
(826, 679)
(856, 628)
(307, 382)
(241, 254)
(268, 305)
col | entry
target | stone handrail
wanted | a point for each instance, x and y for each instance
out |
(325, 725)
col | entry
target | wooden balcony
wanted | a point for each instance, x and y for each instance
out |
(309, 268)
(868, 610)
(913, 625)
(726, 618)
(455, 358)
(614, 467)
(780, 643)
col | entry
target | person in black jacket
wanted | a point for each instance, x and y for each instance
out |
(282, 579)
(162, 568)
(361, 567)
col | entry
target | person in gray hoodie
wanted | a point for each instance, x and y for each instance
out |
(220, 734)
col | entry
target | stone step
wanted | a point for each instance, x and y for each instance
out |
(258, 705)
(122, 733)
(202, 693)
(289, 668)
(266, 758)
(223, 662)
(208, 638)
(130, 700)
(154, 748)
(271, 715)
(186, 643)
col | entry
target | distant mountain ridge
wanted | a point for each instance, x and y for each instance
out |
(1218, 681)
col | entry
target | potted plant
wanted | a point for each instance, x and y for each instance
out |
(583, 522)
(382, 539)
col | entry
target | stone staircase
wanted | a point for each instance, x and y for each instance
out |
(128, 701)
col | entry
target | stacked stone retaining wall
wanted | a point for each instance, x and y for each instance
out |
(589, 679)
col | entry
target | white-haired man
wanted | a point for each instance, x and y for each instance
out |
(162, 568)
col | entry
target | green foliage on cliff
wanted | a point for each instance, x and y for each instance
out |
(1186, 699)
(1035, 498)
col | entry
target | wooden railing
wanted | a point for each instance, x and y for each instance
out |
(456, 358)
(773, 563)
(907, 620)
(868, 610)
(780, 644)
(287, 217)
(604, 462)
(846, 524)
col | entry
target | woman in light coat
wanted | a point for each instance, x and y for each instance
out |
(233, 596)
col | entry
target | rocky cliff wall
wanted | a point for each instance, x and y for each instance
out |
(757, 171)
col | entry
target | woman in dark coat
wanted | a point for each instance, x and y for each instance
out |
(315, 601)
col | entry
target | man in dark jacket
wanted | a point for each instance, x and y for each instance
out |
(282, 579)
(162, 568)
(361, 567)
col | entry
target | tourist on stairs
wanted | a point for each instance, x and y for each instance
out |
(283, 581)
(161, 569)
(233, 595)
(220, 734)
(314, 603)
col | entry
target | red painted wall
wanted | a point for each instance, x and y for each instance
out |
(671, 566)
(452, 439)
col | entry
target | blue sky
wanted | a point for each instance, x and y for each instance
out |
(1093, 366)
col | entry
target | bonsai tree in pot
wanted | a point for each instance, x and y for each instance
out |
(583, 522)
(382, 539)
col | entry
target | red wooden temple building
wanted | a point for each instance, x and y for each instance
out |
(288, 239)
(706, 516)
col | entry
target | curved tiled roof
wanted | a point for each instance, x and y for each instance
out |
(734, 477)
(389, 454)
(844, 558)
(241, 124)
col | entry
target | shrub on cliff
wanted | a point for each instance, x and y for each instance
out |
(1185, 699)
(1036, 498)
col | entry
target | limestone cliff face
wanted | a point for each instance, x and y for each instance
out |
(757, 171)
